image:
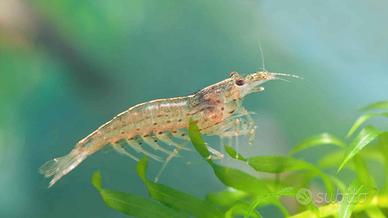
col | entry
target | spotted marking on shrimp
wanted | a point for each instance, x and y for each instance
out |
(159, 127)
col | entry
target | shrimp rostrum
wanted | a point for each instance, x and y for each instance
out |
(158, 128)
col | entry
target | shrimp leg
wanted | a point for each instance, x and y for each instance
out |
(168, 159)
(120, 149)
(153, 144)
(137, 147)
(237, 125)
(251, 126)
(167, 140)
(215, 154)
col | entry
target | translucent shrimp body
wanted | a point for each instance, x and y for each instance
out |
(148, 123)
(159, 127)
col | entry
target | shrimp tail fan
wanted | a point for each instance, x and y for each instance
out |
(60, 166)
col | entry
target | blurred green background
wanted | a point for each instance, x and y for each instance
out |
(67, 66)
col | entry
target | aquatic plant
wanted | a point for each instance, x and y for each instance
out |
(358, 192)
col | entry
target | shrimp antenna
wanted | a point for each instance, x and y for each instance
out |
(280, 76)
(287, 75)
(261, 55)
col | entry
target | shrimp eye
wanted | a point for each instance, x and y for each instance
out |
(233, 74)
(240, 82)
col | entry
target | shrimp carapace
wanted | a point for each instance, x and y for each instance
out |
(159, 128)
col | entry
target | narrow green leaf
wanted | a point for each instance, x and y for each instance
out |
(229, 176)
(142, 169)
(133, 205)
(233, 153)
(241, 209)
(282, 208)
(374, 154)
(275, 164)
(227, 197)
(278, 164)
(281, 164)
(198, 142)
(382, 105)
(318, 140)
(362, 171)
(261, 201)
(240, 180)
(358, 166)
(362, 119)
(97, 180)
(176, 199)
(366, 136)
(355, 193)
(272, 198)
(331, 160)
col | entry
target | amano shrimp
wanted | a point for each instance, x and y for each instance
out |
(161, 125)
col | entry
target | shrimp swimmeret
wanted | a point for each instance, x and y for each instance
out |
(217, 110)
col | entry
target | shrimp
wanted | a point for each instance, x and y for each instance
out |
(217, 110)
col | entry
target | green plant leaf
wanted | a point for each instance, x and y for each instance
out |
(318, 140)
(241, 209)
(133, 205)
(97, 180)
(198, 142)
(240, 180)
(272, 164)
(176, 199)
(381, 105)
(233, 153)
(362, 119)
(358, 166)
(355, 193)
(227, 197)
(332, 159)
(275, 199)
(362, 171)
(374, 154)
(281, 164)
(282, 208)
(365, 137)
(272, 199)
(229, 176)
(278, 164)
(259, 202)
